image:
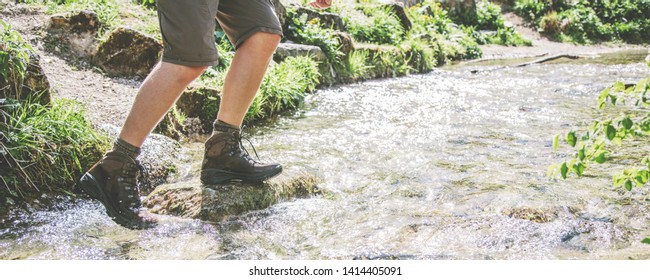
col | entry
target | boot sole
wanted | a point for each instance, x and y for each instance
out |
(216, 176)
(90, 186)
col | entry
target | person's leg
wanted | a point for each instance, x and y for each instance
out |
(187, 30)
(158, 93)
(225, 160)
(245, 76)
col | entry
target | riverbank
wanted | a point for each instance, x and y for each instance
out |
(542, 46)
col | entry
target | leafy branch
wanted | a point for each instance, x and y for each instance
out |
(594, 145)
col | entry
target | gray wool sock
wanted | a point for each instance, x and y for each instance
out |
(123, 147)
(222, 126)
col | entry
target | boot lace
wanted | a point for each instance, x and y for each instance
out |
(129, 183)
(239, 148)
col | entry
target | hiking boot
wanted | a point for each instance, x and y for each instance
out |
(112, 181)
(227, 160)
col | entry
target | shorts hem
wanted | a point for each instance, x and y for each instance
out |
(189, 63)
(254, 30)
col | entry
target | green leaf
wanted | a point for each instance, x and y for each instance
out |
(646, 241)
(602, 98)
(564, 170)
(601, 157)
(619, 86)
(579, 168)
(581, 154)
(556, 141)
(571, 138)
(628, 185)
(643, 177)
(613, 98)
(610, 131)
(627, 123)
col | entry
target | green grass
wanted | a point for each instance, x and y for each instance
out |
(14, 57)
(42, 147)
(284, 87)
(45, 147)
(111, 13)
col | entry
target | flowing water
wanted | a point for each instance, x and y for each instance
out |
(447, 165)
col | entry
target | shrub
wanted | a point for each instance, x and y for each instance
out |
(532, 10)
(378, 25)
(488, 15)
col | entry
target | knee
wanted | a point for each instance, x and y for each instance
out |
(263, 40)
(188, 74)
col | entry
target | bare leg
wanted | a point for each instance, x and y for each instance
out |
(158, 93)
(245, 76)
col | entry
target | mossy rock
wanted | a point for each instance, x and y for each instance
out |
(191, 199)
(75, 32)
(202, 103)
(35, 86)
(128, 53)
(328, 20)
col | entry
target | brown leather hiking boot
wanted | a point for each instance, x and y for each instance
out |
(112, 181)
(226, 160)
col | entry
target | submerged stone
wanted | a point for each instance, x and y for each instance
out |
(129, 53)
(190, 199)
(533, 215)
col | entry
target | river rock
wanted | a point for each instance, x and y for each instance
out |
(647, 59)
(190, 199)
(328, 20)
(399, 12)
(128, 53)
(345, 42)
(78, 32)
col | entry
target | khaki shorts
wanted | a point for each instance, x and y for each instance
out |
(188, 27)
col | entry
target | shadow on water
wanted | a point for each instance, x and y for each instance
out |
(447, 165)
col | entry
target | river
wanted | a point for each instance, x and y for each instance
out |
(445, 165)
